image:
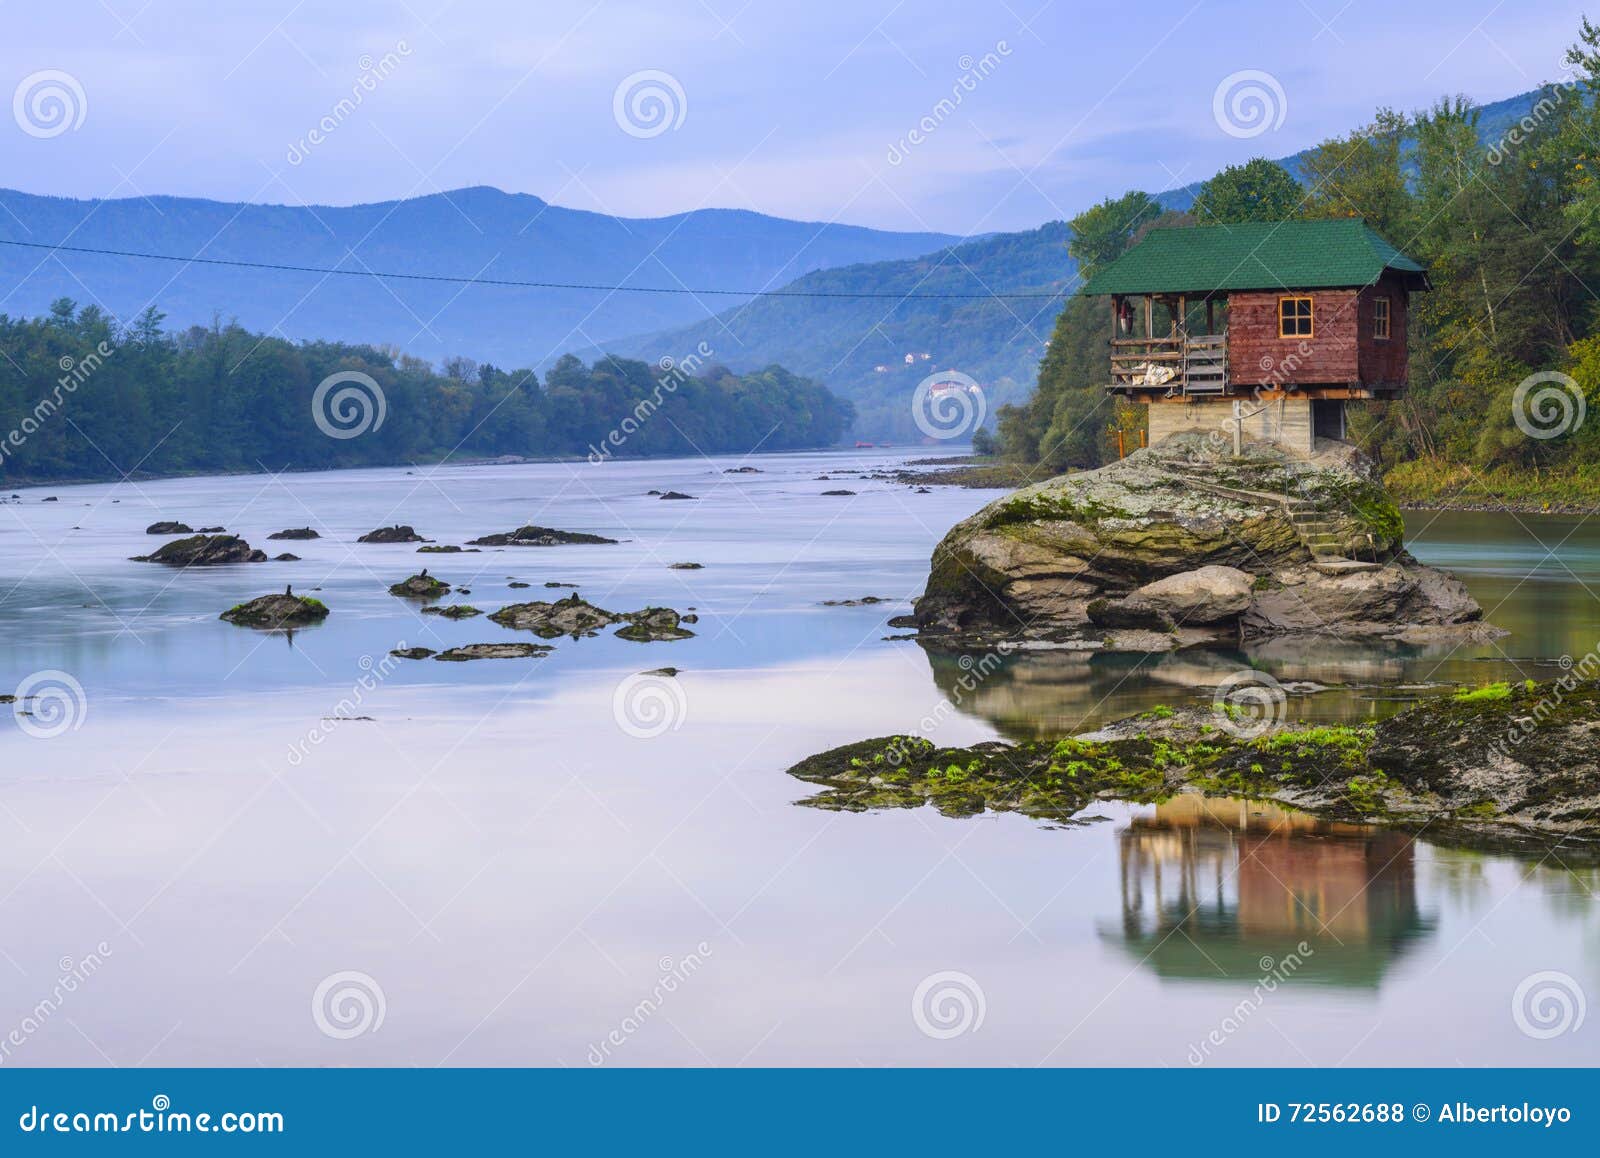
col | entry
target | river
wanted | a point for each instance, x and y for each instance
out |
(224, 846)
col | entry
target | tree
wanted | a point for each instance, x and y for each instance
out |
(1258, 190)
(1101, 234)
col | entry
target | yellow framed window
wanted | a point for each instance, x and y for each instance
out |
(1380, 318)
(1294, 317)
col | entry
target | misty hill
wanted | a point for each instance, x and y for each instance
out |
(858, 347)
(468, 232)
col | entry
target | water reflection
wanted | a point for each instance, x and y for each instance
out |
(1223, 890)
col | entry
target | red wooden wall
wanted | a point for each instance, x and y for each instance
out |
(1257, 356)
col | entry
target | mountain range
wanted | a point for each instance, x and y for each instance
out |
(872, 350)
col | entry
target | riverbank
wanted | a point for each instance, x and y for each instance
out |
(1440, 486)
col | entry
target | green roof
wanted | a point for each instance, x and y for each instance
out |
(1258, 255)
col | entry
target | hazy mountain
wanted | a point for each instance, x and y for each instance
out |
(471, 232)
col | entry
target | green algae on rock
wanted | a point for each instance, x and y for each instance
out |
(1514, 766)
(273, 611)
(1178, 536)
(420, 586)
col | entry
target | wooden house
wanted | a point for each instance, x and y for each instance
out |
(1261, 330)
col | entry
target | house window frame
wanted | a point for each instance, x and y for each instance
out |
(1309, 319)
(1382, 318)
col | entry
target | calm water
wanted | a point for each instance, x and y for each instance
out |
(526, 875)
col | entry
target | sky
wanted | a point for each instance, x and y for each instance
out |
(962, 117)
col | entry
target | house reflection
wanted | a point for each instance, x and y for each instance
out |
(1229, 890)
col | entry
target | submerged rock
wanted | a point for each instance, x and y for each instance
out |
(398, 533)
(286, 557)
(454, 611)
(531, 536)
(685, 566)
(441, 549)
(295, 533)
(1507, 761)
(577, 617)
(838, 492)
(412, 652)
(675, 495)
(494, 651)
(277, 611)
(420, 586)
(204, 551)
(864, 601)
(655, 624)
(1177, 537)
(574, 616)
(169, 528)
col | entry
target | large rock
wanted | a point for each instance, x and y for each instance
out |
(399, 533)
(577, 617)
(1180, 536)
(537, 537)
(204, 551)
(273, 611)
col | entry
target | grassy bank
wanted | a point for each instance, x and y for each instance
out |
(1430, 483)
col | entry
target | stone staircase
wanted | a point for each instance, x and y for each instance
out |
(1313, 528)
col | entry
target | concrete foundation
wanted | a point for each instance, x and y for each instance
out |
(1286, 421)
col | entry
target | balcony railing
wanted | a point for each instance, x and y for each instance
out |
(1185, 364)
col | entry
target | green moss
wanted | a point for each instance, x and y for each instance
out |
(1485, 694)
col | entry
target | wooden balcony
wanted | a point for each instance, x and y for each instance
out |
(1186, 364)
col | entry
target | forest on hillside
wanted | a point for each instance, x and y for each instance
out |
(1509, 228)
(82, 397)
